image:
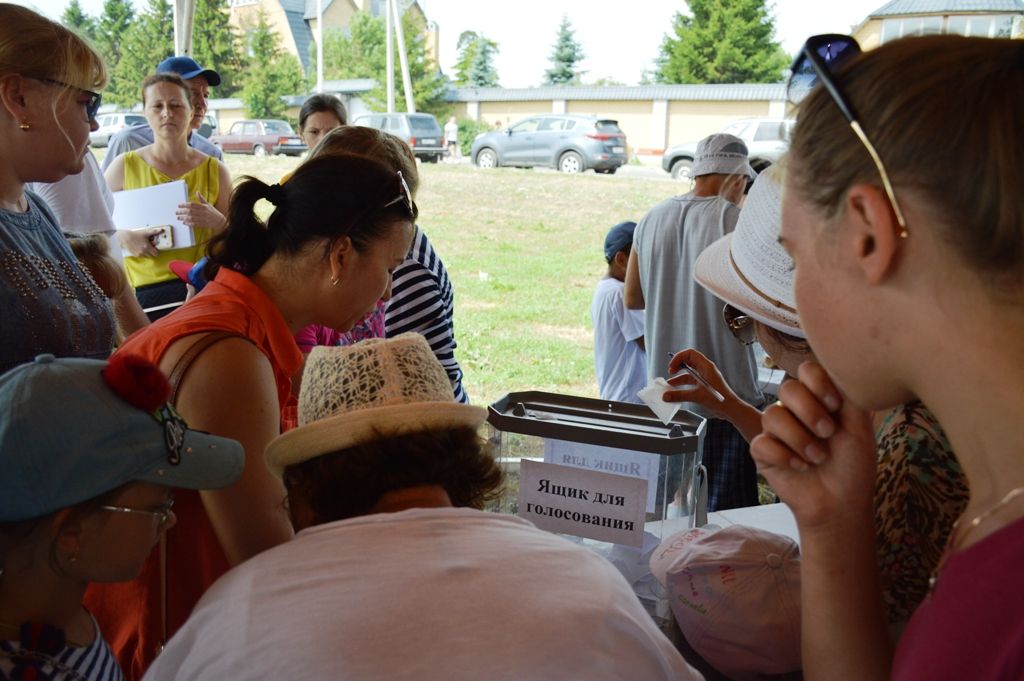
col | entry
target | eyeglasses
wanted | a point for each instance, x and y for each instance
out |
(741, 325)
(403, 195)
(820, 56)
(162, 513)
(92, 107)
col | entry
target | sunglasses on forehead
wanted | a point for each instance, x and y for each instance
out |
(92, 107)
(820, 57)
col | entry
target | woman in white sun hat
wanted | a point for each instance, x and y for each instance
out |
(919, 490)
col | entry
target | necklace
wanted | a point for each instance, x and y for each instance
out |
(954, 541)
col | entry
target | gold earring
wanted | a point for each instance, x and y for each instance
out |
(25, 126)
(334, 281)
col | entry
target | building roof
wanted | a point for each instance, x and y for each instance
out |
(310, 12)
(913, 7)
(703, 93)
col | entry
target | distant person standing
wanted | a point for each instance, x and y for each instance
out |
(451, 139)
(619, 357)
(199, 81)
(680, 314)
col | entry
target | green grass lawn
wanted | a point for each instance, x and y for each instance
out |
(524, 251)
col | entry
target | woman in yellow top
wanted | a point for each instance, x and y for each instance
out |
(167, 105)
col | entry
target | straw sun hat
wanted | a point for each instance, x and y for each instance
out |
(748, 268)
(374, 389)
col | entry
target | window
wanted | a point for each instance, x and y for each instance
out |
(741, 130)
(250, 129)
(769, 132)
(424, 125)
(550, 124)
(278, 128)
(609, 127)
(907, 26)
(529, 125)
(135, 120)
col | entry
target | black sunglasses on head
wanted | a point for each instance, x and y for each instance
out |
(819, 58)
(92, 107)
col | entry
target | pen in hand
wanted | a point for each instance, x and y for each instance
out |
(685, 369)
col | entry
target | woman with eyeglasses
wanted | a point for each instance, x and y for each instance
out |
(322, 256)
(909, 284)
(919, 489)
(48, 104)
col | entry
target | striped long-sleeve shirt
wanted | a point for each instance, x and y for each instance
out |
(422, 302)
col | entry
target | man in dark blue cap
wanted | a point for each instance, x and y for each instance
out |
(199, 80)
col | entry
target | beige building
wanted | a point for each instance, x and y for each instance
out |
(295, 21)
(654, 117)
(982, 18)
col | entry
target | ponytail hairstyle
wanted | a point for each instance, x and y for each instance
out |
(327, 199)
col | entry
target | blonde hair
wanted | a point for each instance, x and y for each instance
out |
(945, 114)
(93, 251)
(381, 146)
(32, 45)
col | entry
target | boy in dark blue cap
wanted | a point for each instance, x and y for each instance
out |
(619, 358)
(199, 81)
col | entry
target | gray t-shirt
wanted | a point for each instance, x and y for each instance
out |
(48, 302)
(679, 312)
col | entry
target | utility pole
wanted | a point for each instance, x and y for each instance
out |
(319, 45)
(184, 14)
(403, 58)
(390, 57)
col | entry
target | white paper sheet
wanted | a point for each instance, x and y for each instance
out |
(152, 207)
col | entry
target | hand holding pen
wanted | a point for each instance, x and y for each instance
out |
(685, 369)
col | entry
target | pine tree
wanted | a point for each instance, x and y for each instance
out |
(217, 45)
(362, 54)
(111, 29)
(143, 46)
(272, 74)
(475, 65)
(723, 41)
(75, 18)
(565, 55)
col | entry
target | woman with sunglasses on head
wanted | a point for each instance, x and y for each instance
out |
(167, 105)
(919, 489)
(908, 285)
(322, 257)
(47, 109)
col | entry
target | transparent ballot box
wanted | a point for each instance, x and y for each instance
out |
(608, 475)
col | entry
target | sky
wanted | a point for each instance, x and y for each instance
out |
(619, 40)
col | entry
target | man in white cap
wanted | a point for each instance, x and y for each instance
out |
(199, 81)
(680, 314)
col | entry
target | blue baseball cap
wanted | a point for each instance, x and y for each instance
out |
(619, 238)
(71, 430)
(188, 68)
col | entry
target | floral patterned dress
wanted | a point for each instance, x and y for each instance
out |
(920, 491)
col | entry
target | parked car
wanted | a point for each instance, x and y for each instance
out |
(767, 140)
(208, 127)
(420, 131)
(111, 123)
(568, 142)
(260, 138)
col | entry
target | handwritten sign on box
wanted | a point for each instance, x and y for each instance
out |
(583, 502)
(607, 460)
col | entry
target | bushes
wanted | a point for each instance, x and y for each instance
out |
(468, 130)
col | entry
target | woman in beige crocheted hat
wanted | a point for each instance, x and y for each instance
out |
(395, 573)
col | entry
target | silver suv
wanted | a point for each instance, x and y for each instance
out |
(569, 143)
(420, 131)
(111, 123)
(767, 139)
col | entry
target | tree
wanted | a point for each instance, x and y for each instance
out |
(143, 46)
(217, 45)
(475, 65)
(76, 19)
(565, 55)
(271, 75)
(112, 28)
(724, 41)
(362, 54)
